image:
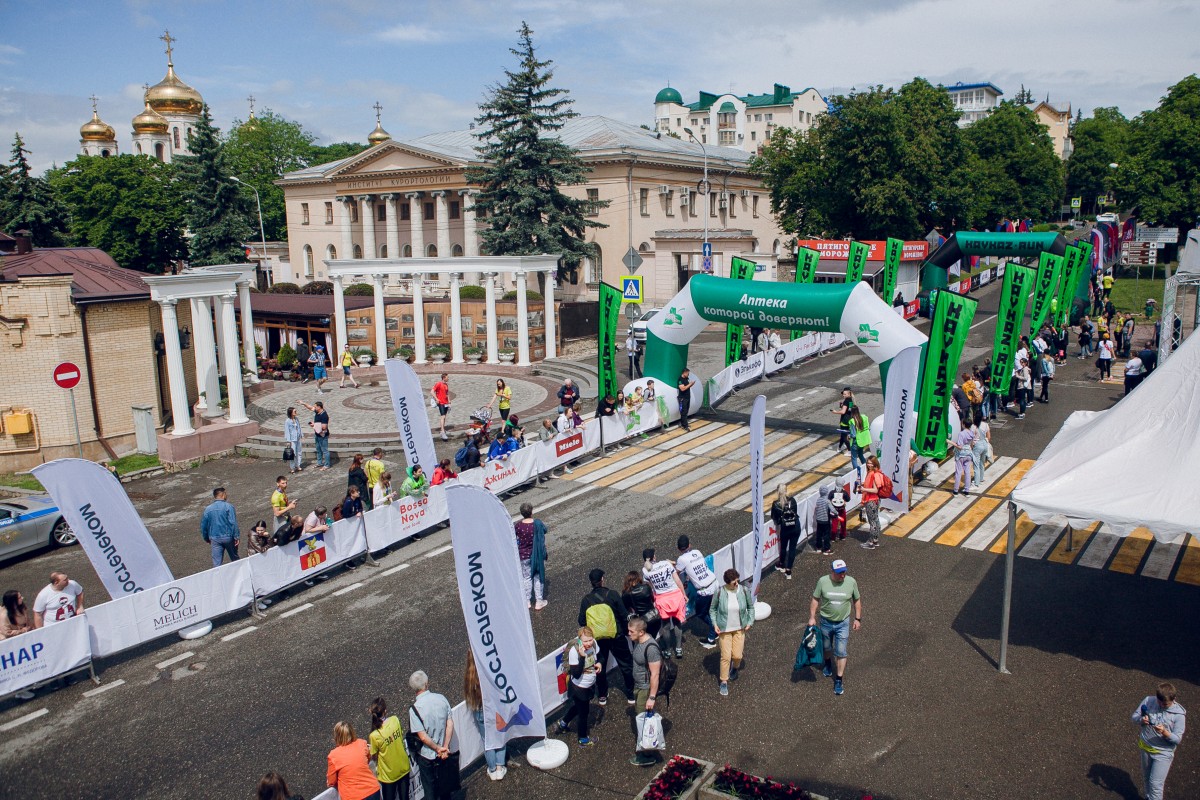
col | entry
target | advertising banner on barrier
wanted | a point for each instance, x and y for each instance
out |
(856, 261)
(309, 556)
(113, 536)
(412, 420)
(899, 414)
(498, 627)
(952, 315)
(777, 359)
(739, 269)
(1009, 321)
(521, 466)
(39, 655)
(405, 517)
(758, 423)
(1045, 289)
(131, 620)
(606, 352)
(569, 446)
(748, 369)
(891, 268)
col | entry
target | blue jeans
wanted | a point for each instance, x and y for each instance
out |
(220, 547)
(322, 446)
(296, 454)
(857, 459)
(836, 637)
(494, 758)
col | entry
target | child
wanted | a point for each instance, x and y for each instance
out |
(838, 520)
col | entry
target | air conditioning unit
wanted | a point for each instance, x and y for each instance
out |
(685, 196)
(745, 192)
(664, 189)
(724, 201)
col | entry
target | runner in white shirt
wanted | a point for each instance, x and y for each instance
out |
(691, 562)
(669, 600)
(59, 601)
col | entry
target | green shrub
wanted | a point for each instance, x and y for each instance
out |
(359, 290)
(364, 351)
(286, 357)
(403, 351)
(284, 288)
(472, 292)
(439, 348)
(530, 294)
(317, 287)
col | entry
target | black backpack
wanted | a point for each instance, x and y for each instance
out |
(668, 671)
(460, 457)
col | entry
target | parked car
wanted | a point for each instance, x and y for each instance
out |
(639, 327)
(1109, 217)
(31, 523)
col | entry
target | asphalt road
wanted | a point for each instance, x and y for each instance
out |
(926, 714)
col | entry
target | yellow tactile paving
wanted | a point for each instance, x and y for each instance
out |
(1132, 551)
(918, 514)
(649, 461)
(712, 477)
(1004, 486)
(1188, 570)
(966, 524)
(1024, 527)
(1077, 540)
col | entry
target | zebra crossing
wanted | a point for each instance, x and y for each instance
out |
(709, 465)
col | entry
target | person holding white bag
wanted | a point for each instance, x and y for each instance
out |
(647, 666)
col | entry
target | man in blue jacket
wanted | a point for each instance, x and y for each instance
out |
(219, 527)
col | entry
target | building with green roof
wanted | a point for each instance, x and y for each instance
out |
(742, 121)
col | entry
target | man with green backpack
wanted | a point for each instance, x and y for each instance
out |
(602, 610)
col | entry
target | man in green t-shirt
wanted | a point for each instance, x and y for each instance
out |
(835, 597)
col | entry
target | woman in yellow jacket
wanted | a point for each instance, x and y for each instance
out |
(387, 751)
(347, 363)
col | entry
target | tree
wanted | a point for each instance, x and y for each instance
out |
(1013, 170)
(28, 203)
(216, 212)
(317, 287)
(1159, 180)
(325, 153)
(1100, 140)
(259, 152)
(525, 166)
(1023, 97)
(131, 207)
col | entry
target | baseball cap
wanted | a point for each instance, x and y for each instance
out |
(838, 566)
(595, 575)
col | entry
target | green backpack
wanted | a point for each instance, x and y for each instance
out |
(601, 620)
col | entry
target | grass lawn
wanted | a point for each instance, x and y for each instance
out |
(20, 481)
(1131, 289)
(134, 462)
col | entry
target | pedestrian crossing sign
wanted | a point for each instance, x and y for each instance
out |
(631, 289)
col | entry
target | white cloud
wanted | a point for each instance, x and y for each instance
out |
(8, 53)
(410, 34)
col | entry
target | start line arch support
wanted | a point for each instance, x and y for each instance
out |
(854, 310)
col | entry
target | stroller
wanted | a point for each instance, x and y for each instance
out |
(481, 426)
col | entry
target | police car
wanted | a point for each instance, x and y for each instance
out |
(31, 523)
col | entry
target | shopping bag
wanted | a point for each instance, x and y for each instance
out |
(811, 648)
(650, 732)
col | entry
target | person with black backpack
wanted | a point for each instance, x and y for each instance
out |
(602, 610)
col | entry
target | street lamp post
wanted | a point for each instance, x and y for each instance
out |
(258, 203)
(704, 190)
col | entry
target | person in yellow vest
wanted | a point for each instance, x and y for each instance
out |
(860, 439)
(347, 363)
(374, 467)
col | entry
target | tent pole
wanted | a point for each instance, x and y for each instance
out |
(1009, 560)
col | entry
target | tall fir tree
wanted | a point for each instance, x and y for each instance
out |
(526, 165)
(28, 203)
(217, 216)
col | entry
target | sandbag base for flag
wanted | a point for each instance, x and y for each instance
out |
(196, 631)
(547, 754)
(761, 610)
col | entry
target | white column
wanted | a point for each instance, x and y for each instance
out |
(339, 314)
(456, 348)
(489, 286)
(211, 302)
(551, 319)
(233, 370)
(418, 281)
(393, 227)
(416, 213)
(366, 215)
(248, 331)
(443, 225)
(470, 227)
(177, 381)
(205, 352)
(522, 322)
(347, 233)
(380, 323)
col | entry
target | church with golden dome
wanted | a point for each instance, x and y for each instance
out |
(171, 110)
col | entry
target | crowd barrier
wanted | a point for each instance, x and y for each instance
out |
(766, 362)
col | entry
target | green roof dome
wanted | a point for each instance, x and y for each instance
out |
(669, 95)
(727, 108)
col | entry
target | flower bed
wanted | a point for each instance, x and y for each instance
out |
(731, 782)
(679, 779)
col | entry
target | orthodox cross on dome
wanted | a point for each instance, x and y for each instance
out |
(378, 112)
(168, 38)
(250, 100)
(94, 100)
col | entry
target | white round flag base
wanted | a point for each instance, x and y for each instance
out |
(196, 631)
(761, 610)
(547, 754)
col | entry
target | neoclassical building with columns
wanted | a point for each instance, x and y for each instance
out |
(411, 199)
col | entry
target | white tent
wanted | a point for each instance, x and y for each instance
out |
(1152, 437)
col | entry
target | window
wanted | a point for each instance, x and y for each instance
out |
(678, 122)
(593, 267)
(753, 135)
(644, 247)
(667, 204)
(644, 201)
(754, 206)
(176, 134)
(593, 196)
(428, 210)
(304, 213)
(383, 251)
(712, 207)
(330, 253)
(725, 120)
(704, 138)
(769, 117)
(158, 151)
(104, 153)
(405, 212)
(329, 213)
(455, 209)
(733, 200)
(727, 138)
(138, 145)
(353, 210)
(767, 136)
(431, 251)
(456, 251)
(407, 251)
(308, 262)
(357, 251)
(381, 211)
(758, 117)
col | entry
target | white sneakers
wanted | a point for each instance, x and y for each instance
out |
(540, 604)
(498, 773)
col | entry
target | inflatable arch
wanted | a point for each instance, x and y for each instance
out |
(974, 243)
(852, 310)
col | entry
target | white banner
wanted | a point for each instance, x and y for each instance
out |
(310, 555)
(778, 359)
(31, 658)
(116, 541)
(567, 447)
(501, 475)
(899, 415)
(412, 420)
(129, 621)
(490, 588)
(748, 370)
(758, 422)
(405, 517)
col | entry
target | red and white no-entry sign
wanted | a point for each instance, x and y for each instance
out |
(66, 375)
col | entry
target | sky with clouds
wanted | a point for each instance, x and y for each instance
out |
(429, 63)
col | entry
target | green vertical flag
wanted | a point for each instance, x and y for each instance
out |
(1085, 271)
(1072, 261)
(891, 268)
(610, 312)
(1017, 282)
(1046, 289)
(952, 315)
(739, 269)
(856, 262)
(806, 272)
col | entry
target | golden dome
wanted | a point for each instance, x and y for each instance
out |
(97, 130)
(378, 135)
(149, 121)
(173, 96)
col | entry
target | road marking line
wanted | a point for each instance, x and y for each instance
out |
(30, 717)
(934, 526)
(1044, 539)
(635, 468)
(1099, 549)
(1077, 542)
(985, 534)
(1132, 551)
(242, 632)
(295, 610)
(781, 405)
(104, 688)
(1025, 526)
(959, 530)
(636, 480)
(1162, 558)
(1004, 486)
(1189, 565)
(918, 514)
(175, 660)
(432, 553)
(396, 569)
(984, 320)
(351, 588)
